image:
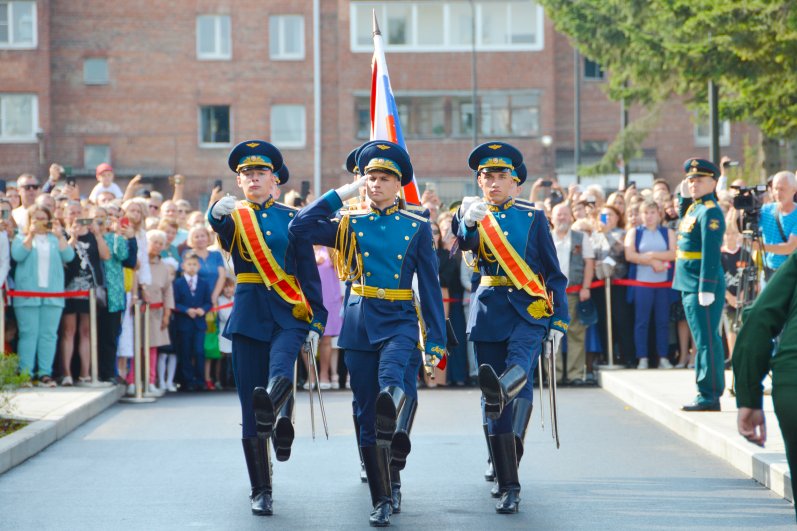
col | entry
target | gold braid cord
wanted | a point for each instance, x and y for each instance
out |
(484, 252)
(348, 263)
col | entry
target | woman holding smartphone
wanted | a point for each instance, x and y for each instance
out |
(40, 254)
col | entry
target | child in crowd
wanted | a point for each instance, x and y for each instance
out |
(105, 183)
(191, 303)
(225, 345)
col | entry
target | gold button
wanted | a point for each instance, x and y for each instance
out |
(406, 237)
(360, 234)
(366, 253)
(529, 214)
(506, 233)
(371, 218)
(290, 214)
(511, 290)
(503, 215)
(395, 276)
(368, 274)
(353, 222)
(399, 257)
(268, 233)
(380, 293)
(398, 218)
(264, 215)
(414, 224)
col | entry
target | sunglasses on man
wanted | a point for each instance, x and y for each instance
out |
(30, 187)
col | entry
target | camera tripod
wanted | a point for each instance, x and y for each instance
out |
(748, 273)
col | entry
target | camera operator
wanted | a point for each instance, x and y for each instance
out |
(779, 222)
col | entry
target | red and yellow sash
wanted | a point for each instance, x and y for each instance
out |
(515, 266)
(270, 271)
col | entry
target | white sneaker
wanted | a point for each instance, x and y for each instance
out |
(171, 388)
(131, 390)
(154, 391)
(664, 363)
(643, 363)
(66, 381)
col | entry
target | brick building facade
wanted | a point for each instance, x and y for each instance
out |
(163, 88)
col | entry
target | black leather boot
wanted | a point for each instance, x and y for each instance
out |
(401, 446)
(489, 474)
(363, 475)
(506, 472)
(267, 403)
(498, 392)
(388, 404)
(259, 468)
(377, 467)
(521, 415)
(395, 489)
(283, 431)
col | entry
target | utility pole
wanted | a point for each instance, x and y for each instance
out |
(714, 122)
(577, 113)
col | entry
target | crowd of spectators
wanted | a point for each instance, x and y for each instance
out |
(135, 246)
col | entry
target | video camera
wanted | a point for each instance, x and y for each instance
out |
(749, 198)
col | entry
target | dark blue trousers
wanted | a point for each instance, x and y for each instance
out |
(373, 370)
(255, 362)
(656, 300)
(523, 348)
(191, 353)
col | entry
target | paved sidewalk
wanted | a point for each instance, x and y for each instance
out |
(55, 413)
(660, 394)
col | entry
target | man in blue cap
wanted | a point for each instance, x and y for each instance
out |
(278, 307)
(521, 282)
(700, 277)
(380, 249)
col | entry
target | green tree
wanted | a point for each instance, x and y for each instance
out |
(656, 48)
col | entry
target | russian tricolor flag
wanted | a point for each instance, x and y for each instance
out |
(385, 123)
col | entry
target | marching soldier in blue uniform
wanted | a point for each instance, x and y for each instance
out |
(700, 277)
(278, 307)
(379, 250)
(520, 302)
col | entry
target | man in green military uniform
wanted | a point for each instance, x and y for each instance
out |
(773, 313)
(699, 277)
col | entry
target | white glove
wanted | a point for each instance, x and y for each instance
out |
(467, 202)
(347, 191)
(684, 189)
(475, 213)
(223, 207)
(552, 342)
(311, 342)
(704, 298)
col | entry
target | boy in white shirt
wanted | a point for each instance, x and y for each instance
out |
(105, 177)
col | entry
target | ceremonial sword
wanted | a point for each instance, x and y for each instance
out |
(552, 391)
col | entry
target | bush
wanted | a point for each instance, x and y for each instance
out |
(10, 380)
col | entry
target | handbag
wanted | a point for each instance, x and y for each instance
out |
(100, 293)
(587, 313)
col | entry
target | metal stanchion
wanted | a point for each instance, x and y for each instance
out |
(95, 376)
(608, 269)
(139, 397)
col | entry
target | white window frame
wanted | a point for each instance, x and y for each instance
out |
(281, 143)
(199, 128)
(34, 119)
(217, 54)
(705, 140)
(280, 54)
(538, 45)
(11, 45)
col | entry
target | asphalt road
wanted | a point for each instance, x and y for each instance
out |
(178, 464)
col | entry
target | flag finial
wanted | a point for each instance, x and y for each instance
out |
(376, 25)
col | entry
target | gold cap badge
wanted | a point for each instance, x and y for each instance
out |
(253, 144)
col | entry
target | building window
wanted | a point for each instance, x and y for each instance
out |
(288, 126)
(214, 125)
(592, 70)
(286, 37)
(17, 24)
(95, 71)
(213, 37)
(19, 117)
(96, 154)
(448, 25)
(437, 115)
(703, 132)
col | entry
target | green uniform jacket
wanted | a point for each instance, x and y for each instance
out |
(698, 267)
(774, 312)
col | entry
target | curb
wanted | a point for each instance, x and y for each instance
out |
(768, 468)
(41, 433)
